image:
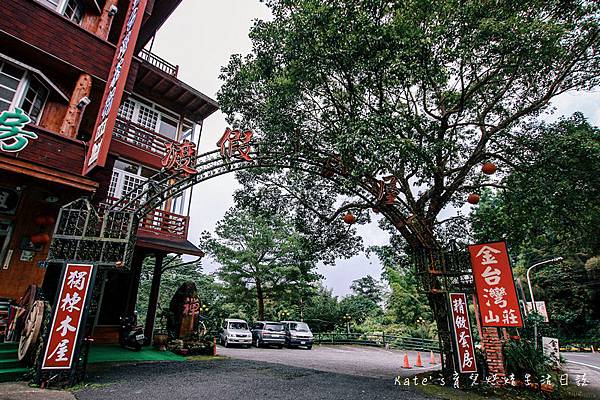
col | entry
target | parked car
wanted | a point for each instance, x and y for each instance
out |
(235, 331)
(297, 334)
(267, 333)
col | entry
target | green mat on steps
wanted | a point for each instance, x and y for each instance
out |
(115, 353)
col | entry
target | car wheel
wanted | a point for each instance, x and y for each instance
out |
(309, 347)
(280, 346)
(226, 343)
(258, 344)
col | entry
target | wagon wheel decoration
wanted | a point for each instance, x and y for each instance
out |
(31, 330)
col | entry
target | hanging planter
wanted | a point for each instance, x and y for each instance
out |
(489, 168)
(473, 198)
(349, 218)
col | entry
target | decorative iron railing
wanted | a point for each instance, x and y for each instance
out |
(159, 63)
(144, 139)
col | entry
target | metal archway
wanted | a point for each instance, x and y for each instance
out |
(107, 235)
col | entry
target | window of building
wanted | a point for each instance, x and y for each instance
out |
(70, 9)
(20, 88)
(153, 117)
(74, 11)
(127, 177)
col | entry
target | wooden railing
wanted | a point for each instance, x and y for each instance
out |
(159, 63)
(140, 137)
(161, 222)
(165, 223)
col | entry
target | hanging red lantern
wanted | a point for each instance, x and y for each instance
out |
(40, 239)
(349, 218)
(49, 220)
(473, 198)
(489, 168)
(40, 220)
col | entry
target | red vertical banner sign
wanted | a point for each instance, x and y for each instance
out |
(115, 86)
(67, 323)
(496, 293)
(462, 333)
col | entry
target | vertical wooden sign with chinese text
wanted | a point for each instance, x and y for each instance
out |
(462, 333)
(68, 321)
(496, 293)
(115, 85)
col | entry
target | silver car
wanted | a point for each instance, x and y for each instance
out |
(266, 333)
(235, 331)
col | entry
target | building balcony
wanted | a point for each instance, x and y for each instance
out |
(139, 143)
(159, 63)
(159, 223)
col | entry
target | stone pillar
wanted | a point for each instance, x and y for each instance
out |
(70, 124)
(492, 346)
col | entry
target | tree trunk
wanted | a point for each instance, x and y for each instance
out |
(429, 257)
(260, 298)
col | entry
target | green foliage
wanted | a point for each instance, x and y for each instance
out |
(549, 206)
(368, 287)
(523, 358)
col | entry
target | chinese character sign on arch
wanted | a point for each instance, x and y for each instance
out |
(496, 294)
(462, 333)
(68, 314)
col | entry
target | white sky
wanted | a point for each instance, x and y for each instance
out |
(200, 36)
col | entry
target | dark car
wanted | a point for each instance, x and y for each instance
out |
(297, 334)
(266, 333)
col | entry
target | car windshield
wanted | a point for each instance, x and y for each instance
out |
(238, 325)
(274, 327)
(299, 327)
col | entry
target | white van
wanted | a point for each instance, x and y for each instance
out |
(235, 331)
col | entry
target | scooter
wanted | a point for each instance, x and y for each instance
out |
(131, 335)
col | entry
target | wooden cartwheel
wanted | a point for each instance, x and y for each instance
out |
(31, 330)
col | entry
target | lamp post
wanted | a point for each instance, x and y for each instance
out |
(421, 324)
(347, 318)
(552, 260)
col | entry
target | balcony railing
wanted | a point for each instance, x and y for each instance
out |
(159, 63)
(165, 223)
(140, 137)
(160, 222)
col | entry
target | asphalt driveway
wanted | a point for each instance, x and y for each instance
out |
(373, 362)
(231, 379)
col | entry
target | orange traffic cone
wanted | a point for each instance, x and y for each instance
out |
(419, 363)
(406, 364)
(431, 358)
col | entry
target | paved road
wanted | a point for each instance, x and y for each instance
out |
(580, 363)
(230, 379)
(364, 361)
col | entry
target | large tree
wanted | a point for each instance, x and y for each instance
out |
(423, 90)
(269, 248)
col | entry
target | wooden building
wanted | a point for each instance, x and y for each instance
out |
(56, 57)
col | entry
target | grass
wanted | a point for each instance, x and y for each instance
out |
(115, 353)
(205, 358)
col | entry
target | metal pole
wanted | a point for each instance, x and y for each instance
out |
(556, 259)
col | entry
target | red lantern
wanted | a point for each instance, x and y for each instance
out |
(473, 198)
(349, 218)
(489, 168)
(49, 220)
(40, 220)
(40, 239)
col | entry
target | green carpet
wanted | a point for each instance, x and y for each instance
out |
(115, 353)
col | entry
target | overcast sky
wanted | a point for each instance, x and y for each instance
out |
(199, 37)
